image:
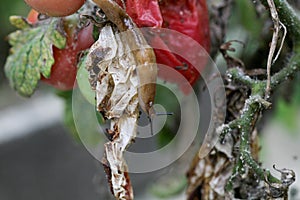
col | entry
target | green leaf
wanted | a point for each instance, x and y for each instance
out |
(287, 112)
(83, 82)
(19, 22)
(166, 136)
(296, 97)
(168, 96)
(168, 187)
(68, 113)
(31, 53)
(248, 18)
(92, 134)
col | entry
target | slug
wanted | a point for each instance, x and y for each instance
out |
(143, 53)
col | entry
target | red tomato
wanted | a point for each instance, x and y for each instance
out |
(145, 13)
(56, 8)
(189, 17)
(64, 69)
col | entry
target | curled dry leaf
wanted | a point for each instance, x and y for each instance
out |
(122, 70)
(111, 68)
(208, 176)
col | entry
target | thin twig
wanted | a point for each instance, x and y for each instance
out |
(275, 37)
(282, 41)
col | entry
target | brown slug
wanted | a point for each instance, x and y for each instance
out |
(143, 53)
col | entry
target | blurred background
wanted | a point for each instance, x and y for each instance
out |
(39, 159)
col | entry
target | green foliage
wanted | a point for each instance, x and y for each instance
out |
(296, 97)
(8, 8)
(31, 53)
(166, 98)
(246, 26)
(168, 187)
(248, 18)
(83, 82)
(68, 113)
(287, 112)
(91, 132)
(166, 136)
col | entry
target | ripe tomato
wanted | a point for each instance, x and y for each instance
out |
(55, 8)
(64, 69)
(189, 17)
(145, 13)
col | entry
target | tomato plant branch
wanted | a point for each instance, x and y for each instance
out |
(292, 68)
(227, 128)
(273, 45)
(238, 75)
(245, 124)
(254, 105)
(288, 17)
(237, 138)
(257, 103)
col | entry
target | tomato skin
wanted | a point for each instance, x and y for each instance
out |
(189, 17)
(144, 13)
(55, 8)
(64, 69)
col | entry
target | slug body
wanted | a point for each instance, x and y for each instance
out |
(143, 54)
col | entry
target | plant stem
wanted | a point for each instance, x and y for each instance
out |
(289, 71)
(253, 107)
(288, 17)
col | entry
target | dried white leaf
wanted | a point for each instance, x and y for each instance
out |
(112, 69)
